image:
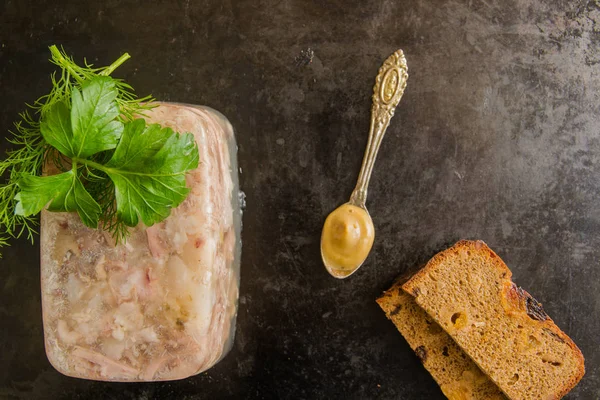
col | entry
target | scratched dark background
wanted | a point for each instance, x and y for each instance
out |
(496, 138)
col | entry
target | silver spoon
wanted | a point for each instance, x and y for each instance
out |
(348, 232)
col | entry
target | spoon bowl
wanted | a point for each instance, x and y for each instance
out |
(348, 232)
(347, 239)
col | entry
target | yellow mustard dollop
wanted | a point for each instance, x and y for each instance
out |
(347, 237)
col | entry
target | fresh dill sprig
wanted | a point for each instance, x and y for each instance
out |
(72, 75)
(30, 151)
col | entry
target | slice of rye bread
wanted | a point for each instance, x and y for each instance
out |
(468, 290)
(458, 376)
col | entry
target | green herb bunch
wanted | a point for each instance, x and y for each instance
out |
(111, 167)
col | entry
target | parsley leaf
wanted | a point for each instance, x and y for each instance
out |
(65, 192)
(148, 170)
(36, 191)
(91, 126)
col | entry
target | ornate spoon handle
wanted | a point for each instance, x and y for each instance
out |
(388, 90)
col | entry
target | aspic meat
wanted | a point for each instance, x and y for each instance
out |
(162, 305)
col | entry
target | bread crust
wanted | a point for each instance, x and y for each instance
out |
(516, 296)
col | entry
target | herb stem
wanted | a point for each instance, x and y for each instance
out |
(110, 69)
(65, 63)
(89, 163)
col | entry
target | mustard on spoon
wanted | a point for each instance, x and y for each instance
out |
(348, 232)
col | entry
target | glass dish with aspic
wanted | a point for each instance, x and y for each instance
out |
(162, 305)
